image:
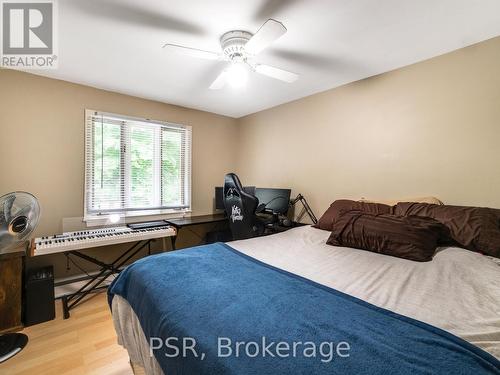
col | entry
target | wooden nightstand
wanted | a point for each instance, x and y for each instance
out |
(11, 276)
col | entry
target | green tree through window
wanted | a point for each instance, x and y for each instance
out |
(136, 165)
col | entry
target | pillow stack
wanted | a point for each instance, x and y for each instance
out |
(411, 230)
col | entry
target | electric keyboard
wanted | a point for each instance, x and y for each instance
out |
(94, 238)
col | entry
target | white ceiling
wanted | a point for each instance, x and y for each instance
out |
(117, 44)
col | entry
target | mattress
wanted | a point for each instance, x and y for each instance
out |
(459, 291)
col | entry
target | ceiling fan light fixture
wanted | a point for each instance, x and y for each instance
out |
(233, 44)
(237, 75)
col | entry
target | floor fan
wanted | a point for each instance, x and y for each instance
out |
(19, 215)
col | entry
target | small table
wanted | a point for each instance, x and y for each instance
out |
(187, 221)
(11, 273)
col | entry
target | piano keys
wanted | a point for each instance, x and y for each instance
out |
(86, 239)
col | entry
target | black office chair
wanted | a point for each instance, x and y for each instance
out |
(240, 209)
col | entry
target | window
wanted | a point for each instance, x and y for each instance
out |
(135, 166)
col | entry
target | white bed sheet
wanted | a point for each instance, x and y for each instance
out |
(459, 291)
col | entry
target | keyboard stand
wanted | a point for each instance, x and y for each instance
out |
(70, 301)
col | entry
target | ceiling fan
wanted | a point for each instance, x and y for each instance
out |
(239, 48)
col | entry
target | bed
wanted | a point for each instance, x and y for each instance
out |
(448, 306)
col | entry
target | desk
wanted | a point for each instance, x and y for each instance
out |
(216, 218)
(187, 221)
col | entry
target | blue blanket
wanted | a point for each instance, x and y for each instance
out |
(206, 300)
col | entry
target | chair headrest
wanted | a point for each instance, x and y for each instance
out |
(232, 180)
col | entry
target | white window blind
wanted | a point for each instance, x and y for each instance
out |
(134, 165)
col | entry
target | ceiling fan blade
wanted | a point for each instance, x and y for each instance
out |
(271, 71)
(193, 52)
(270, 31)
(135, 14)
(219, 82)
(269, 8)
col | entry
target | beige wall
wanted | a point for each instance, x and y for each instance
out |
(42, 143)
(432, 128)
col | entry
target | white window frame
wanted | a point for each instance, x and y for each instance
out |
(97, 217)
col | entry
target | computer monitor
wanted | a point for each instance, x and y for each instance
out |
(277, 201)
(219, 195)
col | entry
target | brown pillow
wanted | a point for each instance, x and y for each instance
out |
(473, 228)
(332, 213)
(496, 213)
(412, 238)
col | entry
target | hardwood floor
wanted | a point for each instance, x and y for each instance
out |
(83, 344)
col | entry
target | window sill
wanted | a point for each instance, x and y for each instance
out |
(134, 217)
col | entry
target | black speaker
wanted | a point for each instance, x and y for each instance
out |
(39, 305)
